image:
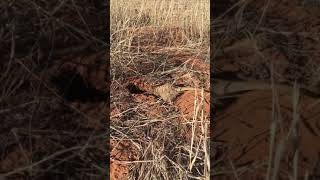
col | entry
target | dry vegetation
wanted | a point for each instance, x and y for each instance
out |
(191, 17)
(269, 133)
(51, 126)
(154, 42)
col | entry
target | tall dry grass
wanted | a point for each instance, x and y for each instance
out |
(192, 17)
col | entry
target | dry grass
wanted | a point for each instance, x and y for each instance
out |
(148, 32)
(191, 17)
(245, 21)
(43, 135)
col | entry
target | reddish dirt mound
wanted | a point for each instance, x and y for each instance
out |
(190, 100)
(121, 151)
(244, 132)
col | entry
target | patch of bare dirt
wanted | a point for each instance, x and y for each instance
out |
(244, 129)
(188, 101)
(121, 151)
(284, 46)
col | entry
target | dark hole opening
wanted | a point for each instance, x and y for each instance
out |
(74, 88)
(134, 89)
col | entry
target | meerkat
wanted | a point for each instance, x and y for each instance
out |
(168, 92)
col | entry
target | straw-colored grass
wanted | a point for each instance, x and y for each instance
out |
(177, 26)
(192, 16)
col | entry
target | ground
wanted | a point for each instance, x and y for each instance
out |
(53, 103)
(158, 47)
(150, 127)
(274, 131)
